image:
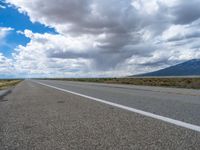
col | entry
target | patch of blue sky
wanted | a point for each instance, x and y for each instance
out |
(10, 17)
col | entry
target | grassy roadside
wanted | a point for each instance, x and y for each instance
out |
(192, 83)
(8, 83)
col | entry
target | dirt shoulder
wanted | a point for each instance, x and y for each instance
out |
(4, 84)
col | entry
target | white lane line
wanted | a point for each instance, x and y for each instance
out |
(144, 113)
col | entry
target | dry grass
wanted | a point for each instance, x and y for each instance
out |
(8, 83)
(193, 83)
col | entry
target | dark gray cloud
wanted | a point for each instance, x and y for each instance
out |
(185, 36)
(117, 30)
(186, 12)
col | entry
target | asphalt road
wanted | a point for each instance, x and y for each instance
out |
(179, 104)
(35, 116)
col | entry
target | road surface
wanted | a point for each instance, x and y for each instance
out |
(180, 104)
(43, 115)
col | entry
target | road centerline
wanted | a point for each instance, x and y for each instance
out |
(141, 112)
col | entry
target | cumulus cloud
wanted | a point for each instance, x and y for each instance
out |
(182, 32)
(36, 57)
(6, 65)
(112, 37)
(4, 32)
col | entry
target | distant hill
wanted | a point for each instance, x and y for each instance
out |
(188, 68)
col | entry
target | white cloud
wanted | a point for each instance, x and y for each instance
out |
(35, 57)
(108, 37)
(6, 65)
(181, 32)
(4, 31)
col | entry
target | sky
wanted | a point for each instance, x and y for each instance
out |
(96, 38)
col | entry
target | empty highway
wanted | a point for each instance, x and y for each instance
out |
(51, 114)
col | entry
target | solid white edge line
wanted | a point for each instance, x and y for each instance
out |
(141, 112)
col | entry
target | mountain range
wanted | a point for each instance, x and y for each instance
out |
(188, 68)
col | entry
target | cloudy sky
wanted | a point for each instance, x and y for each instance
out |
(96, 38)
